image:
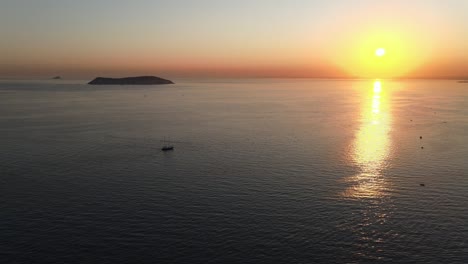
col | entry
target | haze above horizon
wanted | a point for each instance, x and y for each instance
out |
(333, 39)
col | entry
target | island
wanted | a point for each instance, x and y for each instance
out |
(140, 80)
(57, 78)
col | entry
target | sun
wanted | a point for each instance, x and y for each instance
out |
(380, 52)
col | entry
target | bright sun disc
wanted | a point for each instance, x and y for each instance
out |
(380, 52)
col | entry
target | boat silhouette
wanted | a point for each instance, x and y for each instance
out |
(167, 146)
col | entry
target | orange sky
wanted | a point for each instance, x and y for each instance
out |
(337, 39)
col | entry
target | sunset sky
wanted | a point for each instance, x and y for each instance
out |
(255, 38)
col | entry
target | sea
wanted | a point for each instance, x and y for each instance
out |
(262, 171)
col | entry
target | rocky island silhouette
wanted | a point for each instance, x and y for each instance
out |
(139, 80)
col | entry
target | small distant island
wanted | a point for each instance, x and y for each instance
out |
(57, 78)
(140, 80)
(463, 81)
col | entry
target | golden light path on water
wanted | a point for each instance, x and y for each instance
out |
(371, 147)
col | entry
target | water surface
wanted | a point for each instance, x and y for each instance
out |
(264, 171)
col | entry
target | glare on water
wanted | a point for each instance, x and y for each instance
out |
(372, 144)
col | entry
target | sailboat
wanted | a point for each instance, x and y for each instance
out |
(167, 146)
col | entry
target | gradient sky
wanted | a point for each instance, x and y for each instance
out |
(255, 38)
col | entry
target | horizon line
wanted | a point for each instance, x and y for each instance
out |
(250, 77)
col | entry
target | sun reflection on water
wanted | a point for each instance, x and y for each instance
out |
(371, 146)
(369, 190)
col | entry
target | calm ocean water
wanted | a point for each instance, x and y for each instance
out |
(264, 171)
